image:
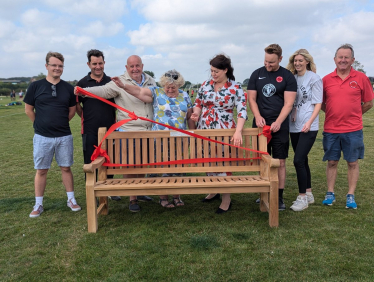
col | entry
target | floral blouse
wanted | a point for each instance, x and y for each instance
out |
(217, 107)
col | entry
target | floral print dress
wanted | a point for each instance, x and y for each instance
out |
(217, 107)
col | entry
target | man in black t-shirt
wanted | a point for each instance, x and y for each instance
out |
(93, 112)
(271, 94)
(50, 105)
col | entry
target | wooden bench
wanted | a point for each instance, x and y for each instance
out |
(250, 176)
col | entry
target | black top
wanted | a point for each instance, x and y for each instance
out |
(270, 87)
(95, 112)
(51, 113)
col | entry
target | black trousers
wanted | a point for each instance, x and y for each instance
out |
(302, 143)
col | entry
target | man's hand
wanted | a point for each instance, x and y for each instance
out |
(260, 121)
(275, 126)
(118, 82)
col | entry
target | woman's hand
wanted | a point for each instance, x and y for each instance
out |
(196, 114)
(236, 139)
(306, 127)
(118, 82)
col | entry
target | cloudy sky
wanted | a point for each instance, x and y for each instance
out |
(180, 34)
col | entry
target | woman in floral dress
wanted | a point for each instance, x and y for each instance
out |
(214, 107)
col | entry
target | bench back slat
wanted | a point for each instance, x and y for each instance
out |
(139, 147)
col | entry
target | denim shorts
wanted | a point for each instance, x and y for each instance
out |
(351, 143)
(46, 147)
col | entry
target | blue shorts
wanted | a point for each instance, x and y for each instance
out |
(46, 147)
(351, 143)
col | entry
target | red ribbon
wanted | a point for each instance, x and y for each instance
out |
(101, 152)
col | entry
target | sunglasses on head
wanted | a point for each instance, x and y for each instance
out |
(54, 92)
(173, 76)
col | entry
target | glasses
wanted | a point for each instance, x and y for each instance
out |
(54, 92)
(174, 76)
(56, 66)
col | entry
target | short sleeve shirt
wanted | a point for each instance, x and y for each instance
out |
(168, 110)
(270, 87)
(96, 113)
(51, 113)
(309, 93)
(343, 101)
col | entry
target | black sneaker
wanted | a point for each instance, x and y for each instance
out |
(134, 207)
(115, 198)
(282, 206)
(144, 198)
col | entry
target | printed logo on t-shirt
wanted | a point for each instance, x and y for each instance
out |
(353, 84)
(268, 90)
(279, 79)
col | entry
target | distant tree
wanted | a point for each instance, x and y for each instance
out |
(358, 67)
(40, 76)
(245, 82)
(187, 84)
(150, 73)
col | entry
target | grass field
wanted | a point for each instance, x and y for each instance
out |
(189, 243)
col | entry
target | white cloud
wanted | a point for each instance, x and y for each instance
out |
(107, 10)
(99, 29)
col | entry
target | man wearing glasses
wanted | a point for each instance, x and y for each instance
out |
(134, 75)
(50, 105)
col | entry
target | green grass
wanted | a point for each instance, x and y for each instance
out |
(190, 243)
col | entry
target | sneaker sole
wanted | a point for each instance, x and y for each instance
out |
(351, 208)
(34, 215)
(329, 204)
(298, 210)
(75, 210)
(134, 210)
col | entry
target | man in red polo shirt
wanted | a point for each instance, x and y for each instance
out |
(347, 95)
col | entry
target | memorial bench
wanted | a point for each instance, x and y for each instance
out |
(146, 147)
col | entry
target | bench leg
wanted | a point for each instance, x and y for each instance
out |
(273, 205)
(91, 210)
(105, 208)
(264, 202)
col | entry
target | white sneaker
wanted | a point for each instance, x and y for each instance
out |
(36, 211)
(72, 203)
(300, 204)
(310, 199)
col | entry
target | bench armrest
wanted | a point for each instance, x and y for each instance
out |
(91, 168)
(270, 161)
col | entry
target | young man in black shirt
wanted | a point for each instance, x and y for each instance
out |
(93, 112)
(271, 94)
(50, 105)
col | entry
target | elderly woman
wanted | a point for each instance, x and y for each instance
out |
(171, 106)
(304, 121)
(214, 106)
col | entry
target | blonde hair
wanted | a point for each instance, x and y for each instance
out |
(171, 77)
(303, 52)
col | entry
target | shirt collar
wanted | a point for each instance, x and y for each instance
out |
(89, 78)
(142, 82)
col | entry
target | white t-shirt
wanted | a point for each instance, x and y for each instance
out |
(309, 93)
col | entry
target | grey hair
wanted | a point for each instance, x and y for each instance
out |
(167, 78)
(346, 46)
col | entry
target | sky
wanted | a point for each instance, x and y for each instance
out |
(180, 34)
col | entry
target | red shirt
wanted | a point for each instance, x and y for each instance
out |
(343, 101)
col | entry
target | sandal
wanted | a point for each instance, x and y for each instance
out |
(168, 205)
(178, 201)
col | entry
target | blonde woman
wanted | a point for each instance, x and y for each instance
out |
(304, 121)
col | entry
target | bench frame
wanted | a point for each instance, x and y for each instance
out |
(177, 146)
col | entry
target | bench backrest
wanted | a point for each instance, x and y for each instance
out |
(142, 147)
